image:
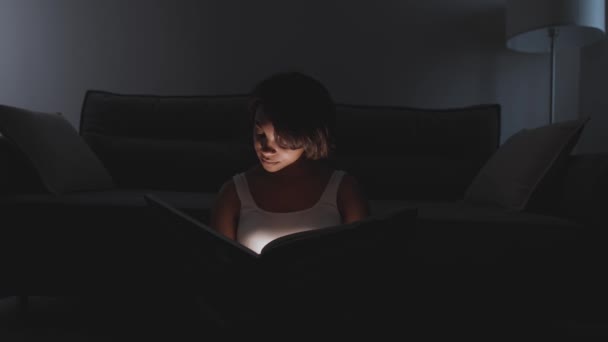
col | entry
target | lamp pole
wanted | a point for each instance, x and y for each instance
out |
(552, 36)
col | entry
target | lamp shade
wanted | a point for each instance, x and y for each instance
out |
(578, 22)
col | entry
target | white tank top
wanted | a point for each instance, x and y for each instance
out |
(257, 227)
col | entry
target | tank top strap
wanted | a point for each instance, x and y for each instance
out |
(330, 194)
(242, 190)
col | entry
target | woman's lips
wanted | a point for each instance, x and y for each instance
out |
(268, 161)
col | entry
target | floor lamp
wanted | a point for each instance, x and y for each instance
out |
(541, 26)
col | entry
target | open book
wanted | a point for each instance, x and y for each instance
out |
(338, 246)
(209, 241)
(320, 273)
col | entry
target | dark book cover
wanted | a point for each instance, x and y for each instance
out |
(321, 250)
(327, 274)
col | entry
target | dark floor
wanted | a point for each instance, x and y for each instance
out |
(127, 319)
(88, 319)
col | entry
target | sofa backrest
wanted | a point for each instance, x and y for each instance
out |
(195, 143)
(415, 153)
(181, 143)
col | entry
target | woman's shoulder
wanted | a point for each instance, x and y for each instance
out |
(227, 200)
(352, 202)
(344, 174)
(348, 182)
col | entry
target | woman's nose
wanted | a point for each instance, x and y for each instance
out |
(267, 147)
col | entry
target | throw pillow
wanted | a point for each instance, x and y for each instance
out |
(516, 169)
(64, 162)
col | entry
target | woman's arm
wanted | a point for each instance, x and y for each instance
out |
(352, 204)
(225, 211)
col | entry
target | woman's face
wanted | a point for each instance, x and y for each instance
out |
(272, 157)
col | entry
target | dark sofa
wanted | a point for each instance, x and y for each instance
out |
(181, 148)
(187, 146)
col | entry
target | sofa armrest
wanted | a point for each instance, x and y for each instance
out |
(17, 175)
(583, 194)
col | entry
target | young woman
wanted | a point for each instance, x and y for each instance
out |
(292, 188)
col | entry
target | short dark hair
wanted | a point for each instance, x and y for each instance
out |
(301, 110)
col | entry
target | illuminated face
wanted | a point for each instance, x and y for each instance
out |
(272, 157)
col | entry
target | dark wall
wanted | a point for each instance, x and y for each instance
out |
(432, 53)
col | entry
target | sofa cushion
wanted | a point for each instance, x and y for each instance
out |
(410, 146)
(518, 167)
(171, 165)
(73, 241)
(463, 233)
(415, 153)
(132, 199)
(470, 133)
(462, 211)
(410, 177)
(192, 118)
(173, 143)
(63, 160)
